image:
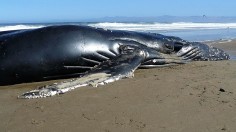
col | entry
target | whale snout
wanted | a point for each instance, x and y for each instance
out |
(217, 54)
(201, 52)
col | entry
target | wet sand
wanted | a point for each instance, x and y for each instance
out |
(195, 97)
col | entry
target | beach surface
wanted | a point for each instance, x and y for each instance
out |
(194, 97)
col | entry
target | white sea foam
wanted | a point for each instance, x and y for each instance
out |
(18, 27)
(140, 26)
(164, 26)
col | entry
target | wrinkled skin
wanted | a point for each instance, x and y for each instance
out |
(195, 51)
(185, 51)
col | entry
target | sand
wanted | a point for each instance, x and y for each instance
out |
(195, 97)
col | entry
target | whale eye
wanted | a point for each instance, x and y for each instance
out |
(169, 46)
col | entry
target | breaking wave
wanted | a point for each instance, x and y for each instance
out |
(18, 27)
(163, 26)
(136, 26)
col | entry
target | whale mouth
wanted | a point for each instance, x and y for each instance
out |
(184, 53)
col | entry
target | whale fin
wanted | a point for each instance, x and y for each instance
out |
(123, 66)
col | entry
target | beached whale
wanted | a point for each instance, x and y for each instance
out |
(92, 56)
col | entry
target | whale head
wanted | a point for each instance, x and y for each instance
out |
(177, 51)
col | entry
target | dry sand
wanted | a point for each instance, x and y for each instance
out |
(195, 97)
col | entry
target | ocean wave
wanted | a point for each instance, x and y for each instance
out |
(163, 26)
(18, 27)
(139, 26)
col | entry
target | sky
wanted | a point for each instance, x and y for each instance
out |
(75, 10)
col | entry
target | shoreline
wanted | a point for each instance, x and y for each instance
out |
(198, 96)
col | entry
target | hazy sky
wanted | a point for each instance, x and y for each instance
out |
(72, 10)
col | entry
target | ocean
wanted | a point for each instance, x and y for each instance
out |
(190, 31)
(185, 30)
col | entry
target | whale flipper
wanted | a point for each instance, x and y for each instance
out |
(123, 66)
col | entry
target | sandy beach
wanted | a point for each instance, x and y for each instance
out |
(194, 97)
